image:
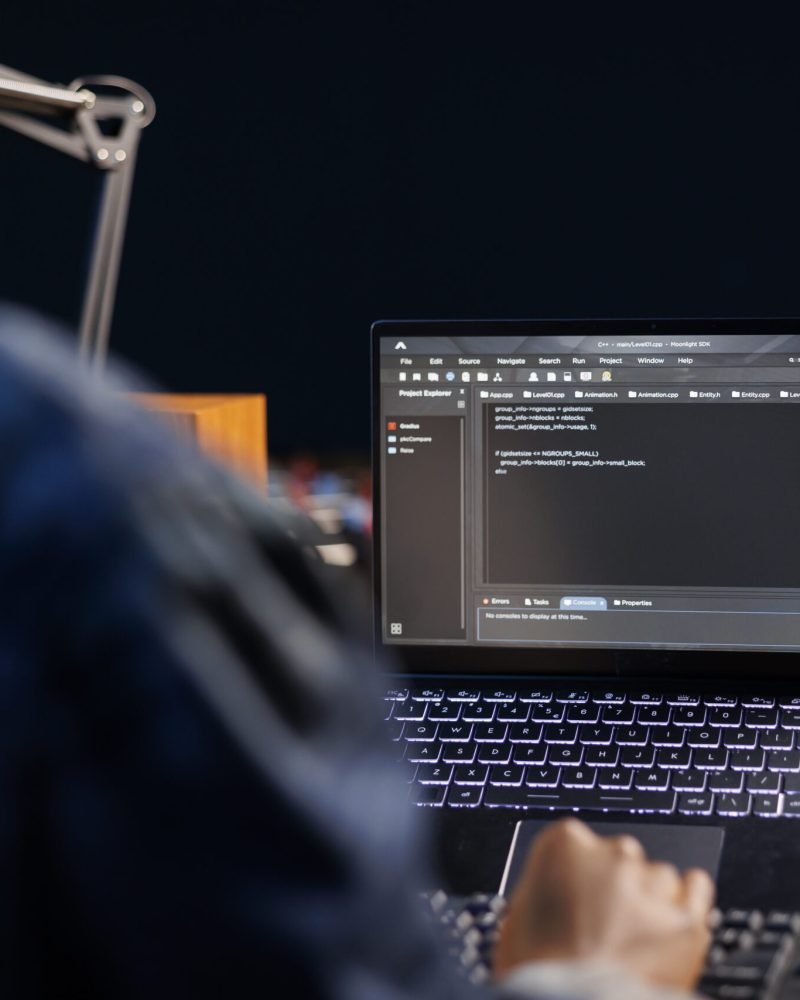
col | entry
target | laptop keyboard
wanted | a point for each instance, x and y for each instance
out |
(720, 755)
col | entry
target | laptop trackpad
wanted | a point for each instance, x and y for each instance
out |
(683, 846)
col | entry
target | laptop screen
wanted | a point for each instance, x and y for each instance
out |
(600, 485)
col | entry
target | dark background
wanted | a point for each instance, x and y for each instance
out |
(315, 166)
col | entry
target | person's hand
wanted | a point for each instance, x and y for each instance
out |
(588, 897)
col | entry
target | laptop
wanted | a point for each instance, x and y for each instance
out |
(587, 571)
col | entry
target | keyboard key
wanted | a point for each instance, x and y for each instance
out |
(705, 737)
(645, 698)
(757, 701)
(455, 732)
(683, 699)
(679, 757)
(572, 697)
(637, 756)
(721, 699)
(560, 734)
(500, 694)
(466, 774)
(790, 806)
(635, 736)
(789, 701)
(725, 781)
(601, 756)
(620, 780)
(420, 731)
(689, 715)
(542, 777)
(570, 756)
(411, 711)
(772, 940)
(790, 719)
(609, 698)
(516, 712)
(783, 760)
(761, 718)
(428, 795)
(689, 781)
(707, 760)
(695, 804)
(418, 753)
(580, 798)
(766, 805)
(583, 713)
(463, 694)
(396, 694)
(668, 736)
(494, 753)
(764, 784)
(654, 715)
(478, 711)
(776, 739)
(725, 717)
(619, 715)
(388, 709)
(511, 775)
(747, 760)
(547, 713)
(579, 777)
(745, 739)
(461, 796)
(656, 780)
(445, 711)
(434, 774)
(524, 733)
(780, 920)
(732, 805)
(538, 696)
(791, 784)
(428, 694)
(464, 796)
(530, 753)
(458, 753)
(486, 732)
(595, 735)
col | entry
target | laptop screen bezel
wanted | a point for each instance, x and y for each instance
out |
(543, 661)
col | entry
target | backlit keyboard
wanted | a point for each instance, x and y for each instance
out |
(547, 749)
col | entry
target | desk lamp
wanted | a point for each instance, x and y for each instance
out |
(78, 111)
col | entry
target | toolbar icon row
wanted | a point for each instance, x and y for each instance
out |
(485, 376)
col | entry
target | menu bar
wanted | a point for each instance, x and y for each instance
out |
(610, 360)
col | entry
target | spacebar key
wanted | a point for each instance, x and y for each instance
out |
(579, 798)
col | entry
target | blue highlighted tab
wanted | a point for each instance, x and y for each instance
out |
(583, 604)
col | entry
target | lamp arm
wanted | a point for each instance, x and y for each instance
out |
(85, 140)
(26, 93)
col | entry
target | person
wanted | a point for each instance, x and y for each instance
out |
(198, 799)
